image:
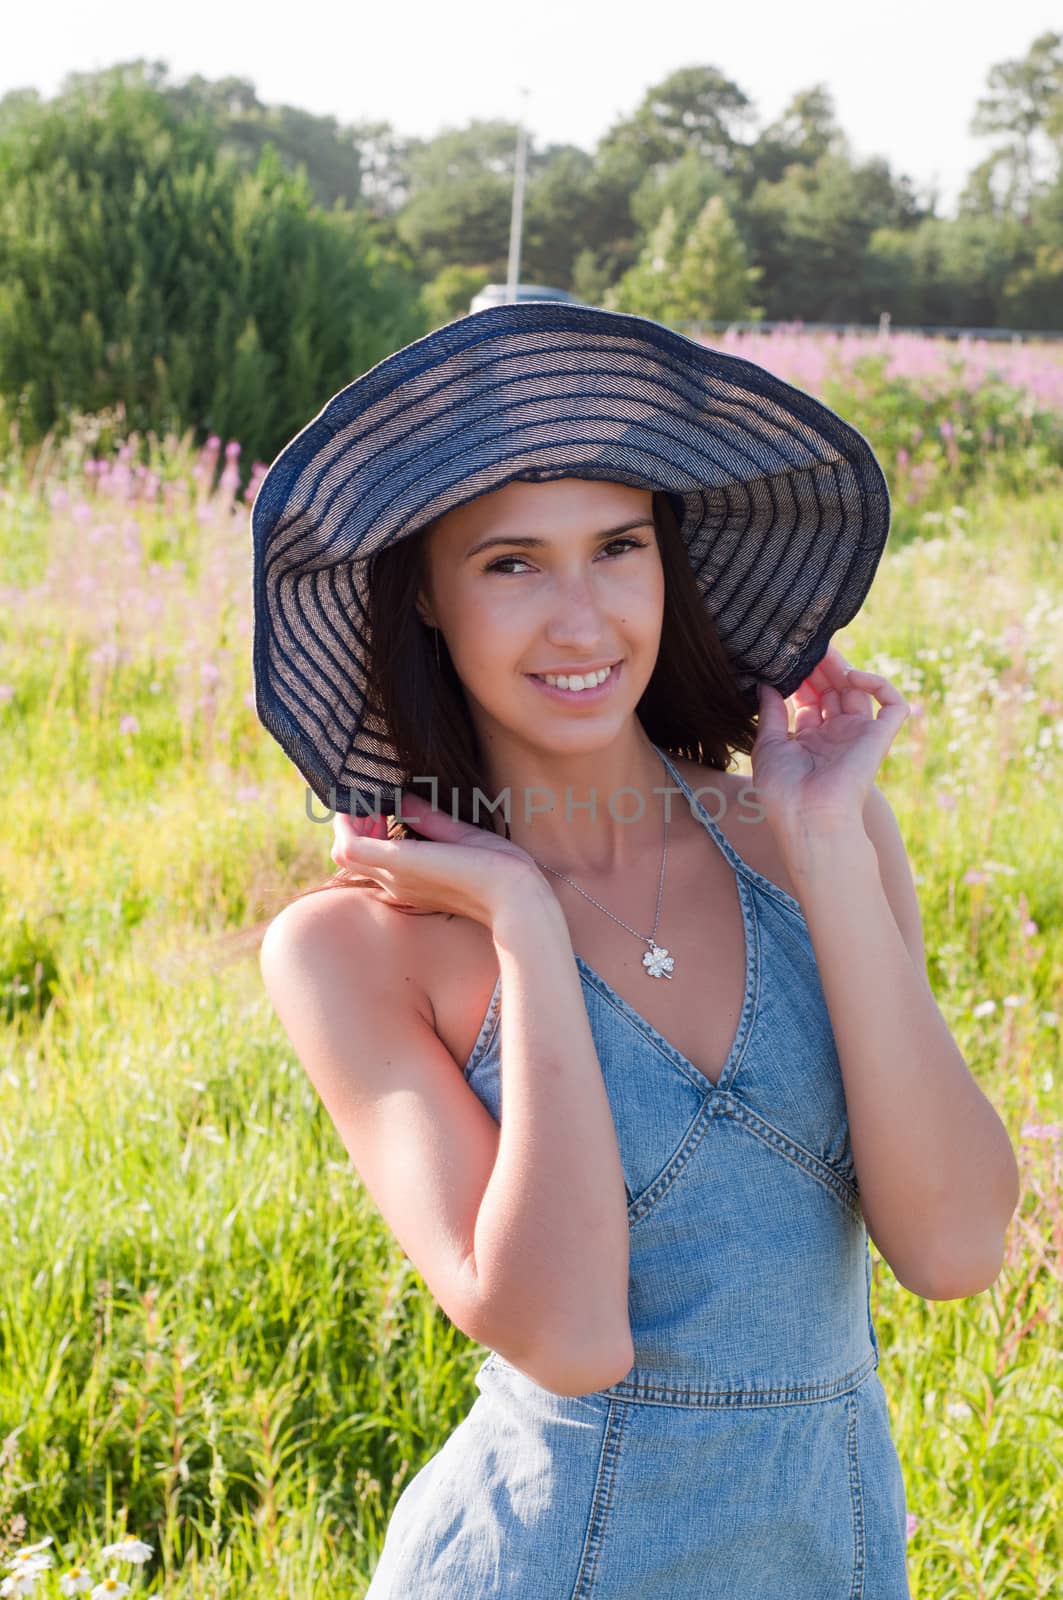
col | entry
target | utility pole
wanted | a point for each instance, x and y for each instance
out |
(517, 213)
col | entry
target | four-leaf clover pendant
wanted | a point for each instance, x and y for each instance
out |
(658, 962)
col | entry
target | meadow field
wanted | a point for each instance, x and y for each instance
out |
(208, 1338)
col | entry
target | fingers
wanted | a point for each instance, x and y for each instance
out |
(348, 832)
(830, 675)
(833, 687)
(773, 712)
(874, 684)
(429, 818)
(365, 839)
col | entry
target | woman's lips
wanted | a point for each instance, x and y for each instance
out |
(575, 697)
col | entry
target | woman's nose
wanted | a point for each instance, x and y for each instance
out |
(576, 611)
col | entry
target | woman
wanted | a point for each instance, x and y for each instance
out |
(709, 1022)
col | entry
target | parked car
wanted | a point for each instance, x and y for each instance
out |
(495, 295)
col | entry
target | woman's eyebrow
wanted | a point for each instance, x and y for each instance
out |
(530, 542)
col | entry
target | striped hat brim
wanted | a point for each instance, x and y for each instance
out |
(785, 508)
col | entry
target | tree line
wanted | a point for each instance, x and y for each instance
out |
(217, 263)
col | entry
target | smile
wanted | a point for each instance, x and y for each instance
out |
(591, 694)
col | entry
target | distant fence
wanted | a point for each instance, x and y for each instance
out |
(883, 326)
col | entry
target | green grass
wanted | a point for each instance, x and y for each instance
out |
(207, 1335)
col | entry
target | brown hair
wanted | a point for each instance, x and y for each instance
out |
(690, 707)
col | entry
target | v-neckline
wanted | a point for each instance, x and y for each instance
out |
(635, 1018)
(750, 964)
(667, 1048)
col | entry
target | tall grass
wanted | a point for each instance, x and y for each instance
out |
(208, 1338)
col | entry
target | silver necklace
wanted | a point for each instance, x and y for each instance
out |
(657, 961)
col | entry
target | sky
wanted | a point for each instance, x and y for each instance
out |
(904, 76)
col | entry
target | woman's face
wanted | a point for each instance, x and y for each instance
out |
(570, 581)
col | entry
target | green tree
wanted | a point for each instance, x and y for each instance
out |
(460, 197)
(806, 131)
(559, 216)
(1023, 104)
(448, 294)
(611, 238)
(358, 163)
(704, 276)
(943, 273)
(695, 109)
(811, 230)
(680, 146)
(590, 281)
(685, 185)
(139, 265)
(714, 281)
(645, 289)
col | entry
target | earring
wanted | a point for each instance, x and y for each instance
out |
(436, 634)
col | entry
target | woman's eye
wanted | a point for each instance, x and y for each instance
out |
(503, 562)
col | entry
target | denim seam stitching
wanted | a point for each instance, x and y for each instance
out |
(751, 986)
(717, 1096)
(605, 1480)
(733, 1399)
(826, 1175)
(484, 1038)
(667, 1051)
(856, 1588)
(644, 1204)
(788, 903)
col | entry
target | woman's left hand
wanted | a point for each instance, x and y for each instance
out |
(817, 777)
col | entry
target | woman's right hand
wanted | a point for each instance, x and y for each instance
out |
(456, 868)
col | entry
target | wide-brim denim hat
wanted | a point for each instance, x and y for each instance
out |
(784, 508)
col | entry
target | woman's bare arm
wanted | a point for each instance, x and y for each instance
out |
(520, 1230)
(551, 1243)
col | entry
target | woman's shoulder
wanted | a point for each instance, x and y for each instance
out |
(363, 931)
(442, 967)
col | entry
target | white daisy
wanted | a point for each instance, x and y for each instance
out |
(110, 1586)
(75, 1580)
(128, 1549)
(21, 1582)
(31, 1549)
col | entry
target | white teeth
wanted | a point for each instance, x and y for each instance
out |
(577, 682)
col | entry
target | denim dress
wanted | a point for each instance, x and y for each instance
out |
(747, 1453)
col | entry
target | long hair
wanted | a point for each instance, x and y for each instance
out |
(690, 707)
